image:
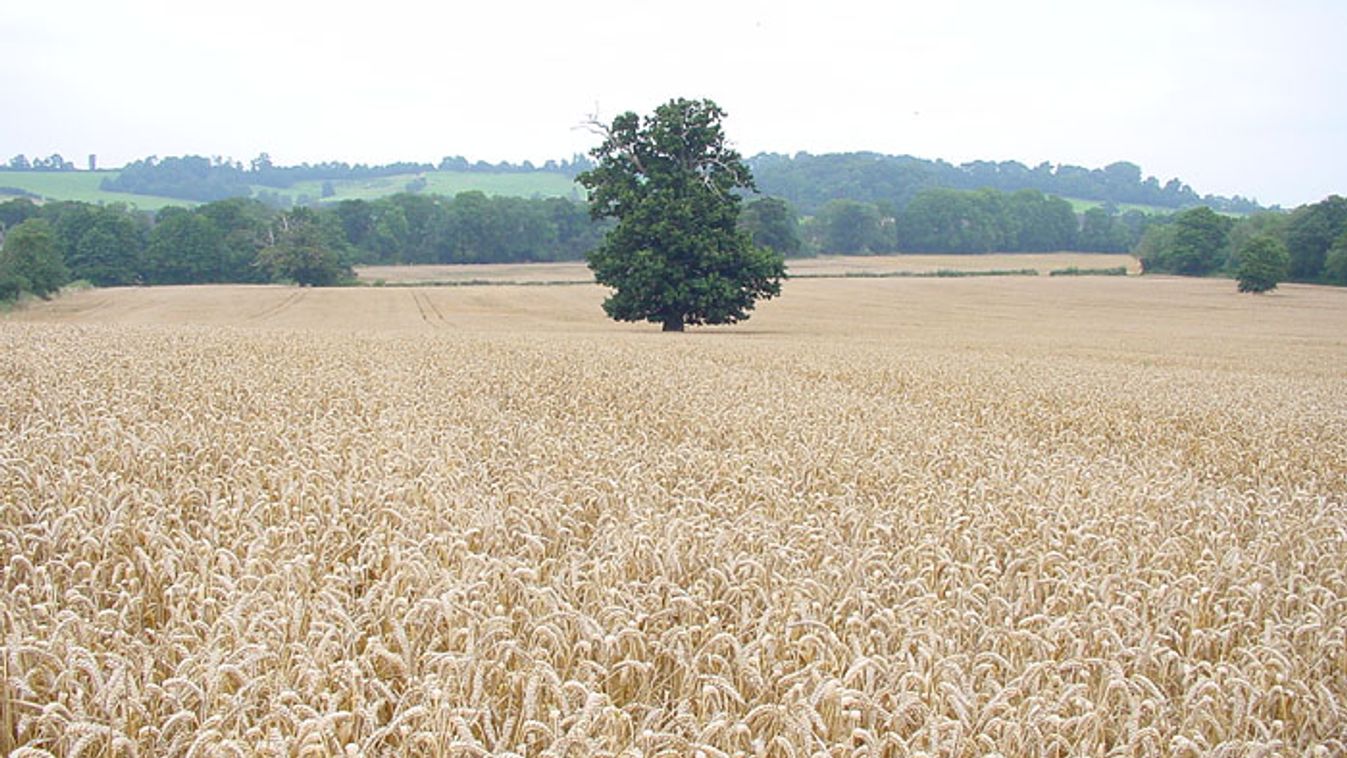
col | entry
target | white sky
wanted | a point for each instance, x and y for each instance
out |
(1231, 96)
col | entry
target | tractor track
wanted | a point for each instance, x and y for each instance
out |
(430, 313)
(284, 304)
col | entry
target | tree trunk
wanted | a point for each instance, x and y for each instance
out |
(673, 323)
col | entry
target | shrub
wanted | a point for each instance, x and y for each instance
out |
(1263, 263)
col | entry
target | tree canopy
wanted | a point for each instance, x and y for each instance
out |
(772, 223)
(809, 181)
(677, 255)
(30, 260)
(304, 251)
(850, 227)
(1310, 232)
(1194, 244)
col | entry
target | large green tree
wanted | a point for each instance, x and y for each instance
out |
(16, 211)
(304, 252)
(246, 226)
(1101, 232)
(31, 259)
(185, 248)
(677, 255)
(101, 244)
(1310, 232)
(771, 223)
(1199, 240)
(1251, 226)
(951, 221)
(1335, 264)
(1039, 222)
(850, 227)
(1194, 244)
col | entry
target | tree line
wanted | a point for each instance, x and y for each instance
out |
(242, 240)
(53, 162)
(1308, 244)
(810, 181)
(946, 221)
(806, 181)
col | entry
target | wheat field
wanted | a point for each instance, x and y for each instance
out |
(1016, 517)
(821, 266)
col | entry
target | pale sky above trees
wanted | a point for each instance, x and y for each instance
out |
(1235, 97)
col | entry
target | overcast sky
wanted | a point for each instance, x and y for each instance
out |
(1232, 97)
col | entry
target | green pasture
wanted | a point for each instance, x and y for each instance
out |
(82, 186)
(449, 183)
(1080, 206)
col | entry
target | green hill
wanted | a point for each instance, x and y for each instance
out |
(536, 184)
(84, 186)
(77, 185)
(1080, 206)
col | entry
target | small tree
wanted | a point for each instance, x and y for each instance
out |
(31, 259)
(1263, 263)
(676, 255)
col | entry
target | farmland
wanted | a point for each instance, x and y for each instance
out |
(84, 187)
(886, 516)
(534, 184)
(826, 266)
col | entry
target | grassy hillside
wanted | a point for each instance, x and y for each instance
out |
(84, 186)
(79, 185)
(439, 183)
(1080, 206)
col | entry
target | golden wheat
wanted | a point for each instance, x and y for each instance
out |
(235, 541)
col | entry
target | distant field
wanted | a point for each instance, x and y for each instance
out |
(1044, 263)
(81, 186)
(823, 266)
(1080, 206)
(440, 183)
(569, 271)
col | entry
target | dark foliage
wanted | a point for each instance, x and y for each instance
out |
(189, 178)
(31, 260)
(1310, 232)
(810, 181)
(1263, 264)
(677, 255)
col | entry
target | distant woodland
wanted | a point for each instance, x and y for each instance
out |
(238, 223)
(806, 181)
(809, 181)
